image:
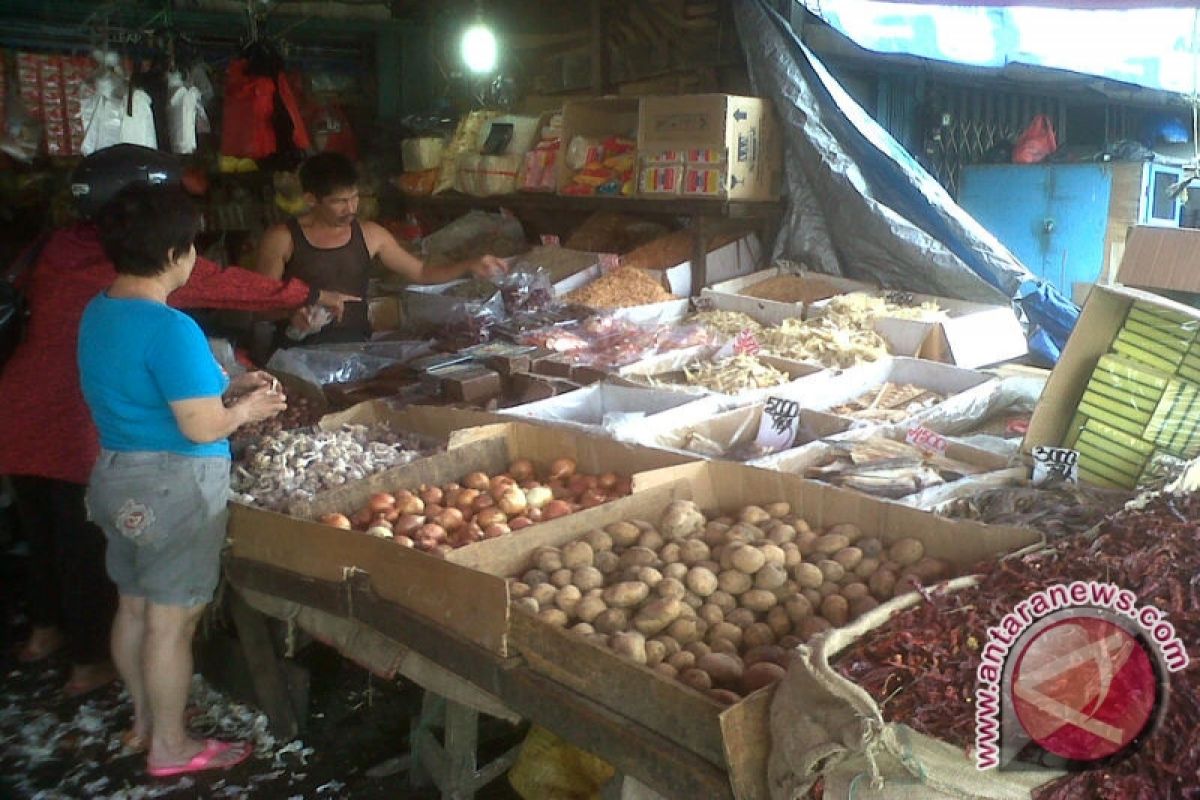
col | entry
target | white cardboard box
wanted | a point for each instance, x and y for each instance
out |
(735, 259)
(606, 408)
(667, 366)
(727, 296)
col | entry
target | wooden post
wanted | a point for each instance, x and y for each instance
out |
(599, 49)
(270, 684)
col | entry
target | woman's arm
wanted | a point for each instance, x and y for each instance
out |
(207, 419)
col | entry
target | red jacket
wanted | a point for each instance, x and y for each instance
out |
(45, 428)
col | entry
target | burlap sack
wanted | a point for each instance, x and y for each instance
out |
(824, 724)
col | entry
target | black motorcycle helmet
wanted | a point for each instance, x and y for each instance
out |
(105, 172)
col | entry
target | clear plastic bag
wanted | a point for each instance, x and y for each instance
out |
(526, 289)
(321, 366)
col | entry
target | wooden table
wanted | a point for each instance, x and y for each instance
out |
(661, 764)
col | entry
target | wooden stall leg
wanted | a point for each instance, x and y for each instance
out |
(700, 234)
(423, 744)
(451, 765)
(270, 683)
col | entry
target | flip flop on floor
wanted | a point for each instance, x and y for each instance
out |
(208, 758)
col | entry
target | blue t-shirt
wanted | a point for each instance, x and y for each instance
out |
(135, 357)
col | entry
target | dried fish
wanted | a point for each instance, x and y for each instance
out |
(891, 403)
(1057, 511)
(826, 340)
(728, 323)
(735, 375)
(887, 468)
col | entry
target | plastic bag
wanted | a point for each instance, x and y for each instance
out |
(1036, 143)
(321, 366)
(475, 234)
(526, 289)
(549, 767)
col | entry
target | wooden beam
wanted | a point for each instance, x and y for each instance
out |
(599, 48)
(270, 686)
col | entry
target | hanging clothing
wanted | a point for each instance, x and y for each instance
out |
(185, 114)
(109, 115)
(341, 269)
(248, 127)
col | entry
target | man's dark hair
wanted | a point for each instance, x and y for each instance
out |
(144, 226)
(325, 173)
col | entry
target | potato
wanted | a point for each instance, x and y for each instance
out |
(710, 565)
(638, 557)
(770, 577)
(624, 534)
(684, 631)
(517, 590)
(544, 593)
(670, 553)
(597, 593)
(583, 629)
(744, 532)
(759, 600)
(577, 554)
(735, 581)
(808, 576)
(883, 584)
(753, 515)
(652, 540)
(682, 660)
(553, 616)
(806, 540)
(723, 600)
(588, 608)
(697, 648)
(789, 643)
(675, 570)
(764, 673)
(599, 639)
(906, 552)
(742, 617)
(672, 646)
(534, 577)
(758, 634)
(853, 591)
(698, 679)
(626, 594)
(611, 620)
(811, 626)
(655, 653)
(671, 588)
(871, 546)
(772, 553)
(644, 525)
(866, 568)
(725, 697)
(587, 578)
(836, 609)
(782, 534)
(832, 570)
(747, 560)
(813, 596)
(827, 589)
(547, 559)
(649, 576)
(701, 581)
(561, 577)
(607, 562)
(724, 630)
(693, 600)
(681, 519)
(714, 533)
(724, 670)
(929, 570)
(692, 551)
(528, 604)
(847, 529)
(801, 526)
(779, 621)
(770, 653)
(656, 615)
(598, 540)
(631, 645)
(862, 605)
(797, 608)
(848, 557)
(711, 613)
(665, 669)
(778, 510)
(567, 598)
(830, 543)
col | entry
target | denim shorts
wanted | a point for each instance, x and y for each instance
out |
(164, 515)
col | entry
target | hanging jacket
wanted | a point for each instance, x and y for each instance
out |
(247, 127)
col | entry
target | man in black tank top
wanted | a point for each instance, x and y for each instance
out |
(329, 248)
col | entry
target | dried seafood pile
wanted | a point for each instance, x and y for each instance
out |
(292, 466)
(887, 468)
(1058, 511)
(700, 444)
(861, 310)
(734, 375)
(890, 403)
(791, 289)
(621, 288)
(825, 340)
(726, 323)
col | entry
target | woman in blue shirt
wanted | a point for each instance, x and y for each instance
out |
(164, 409)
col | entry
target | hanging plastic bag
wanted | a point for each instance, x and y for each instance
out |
(1036, 143)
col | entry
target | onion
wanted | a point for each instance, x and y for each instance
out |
(449, 519)
(555, 509)
(534, 514)
(452, 487)
(336, 520)
(592, 498)
(561, 468)
(392, 515)
(380, 520)
(527, 485)
(441, 550)
(490, 516)
(431, 494)
(538, 496)
(624, 487)
(379, 532)
(432, 532)
(608, 480)
(477, 480)
(495, 531)
(409, 503)
(512, 501)
(483, 501)
(466, 499)
(521, 469)
(578, 484)
(450, 497)
(467, 534)
(403, 541)
(500, 484)
(433, 509)
(560, 492)
(407, 523)
(381, 501)
(361, 518)
(517, 523)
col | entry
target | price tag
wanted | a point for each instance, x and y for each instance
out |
(925, 439)
(744, 344)
(778, 426)
(550, 240)
(1055, 464)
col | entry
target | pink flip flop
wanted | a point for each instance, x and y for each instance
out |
(213, 750)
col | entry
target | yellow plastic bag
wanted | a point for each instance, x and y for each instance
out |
(550, 769)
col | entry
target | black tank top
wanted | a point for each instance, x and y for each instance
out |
(340, 269)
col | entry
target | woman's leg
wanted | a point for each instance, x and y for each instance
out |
(42, 595)
(128, 645)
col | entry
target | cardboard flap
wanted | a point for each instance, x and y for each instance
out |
(1161, 258)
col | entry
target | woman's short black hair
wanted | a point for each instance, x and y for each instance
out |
(144, 226)
(325, 173)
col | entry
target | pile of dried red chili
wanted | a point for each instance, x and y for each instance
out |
(921, 665)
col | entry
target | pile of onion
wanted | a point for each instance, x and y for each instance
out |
(437, 519)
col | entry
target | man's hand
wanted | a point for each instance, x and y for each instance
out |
(489, 267)
(335, 302)
(302, 320)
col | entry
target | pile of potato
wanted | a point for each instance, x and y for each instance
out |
(718, 603)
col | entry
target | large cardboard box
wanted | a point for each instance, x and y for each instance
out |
(1161, 258)
(598, 118)
(666, 371)
(727, 145)
(606, 409)
(472, 605)
(737, 737)
(739, 257)
(728, 296)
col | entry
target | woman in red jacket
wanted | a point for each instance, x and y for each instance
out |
(48, 442)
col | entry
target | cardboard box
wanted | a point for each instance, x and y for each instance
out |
(738, 737)
(742, 131)
(604, 409)
(598, 118)
(728, 262)
(454, 426)
(1161, 258)
(471, 604)
(666, 372)
(727, 295)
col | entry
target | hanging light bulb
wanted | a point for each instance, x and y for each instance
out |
(479, 48)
